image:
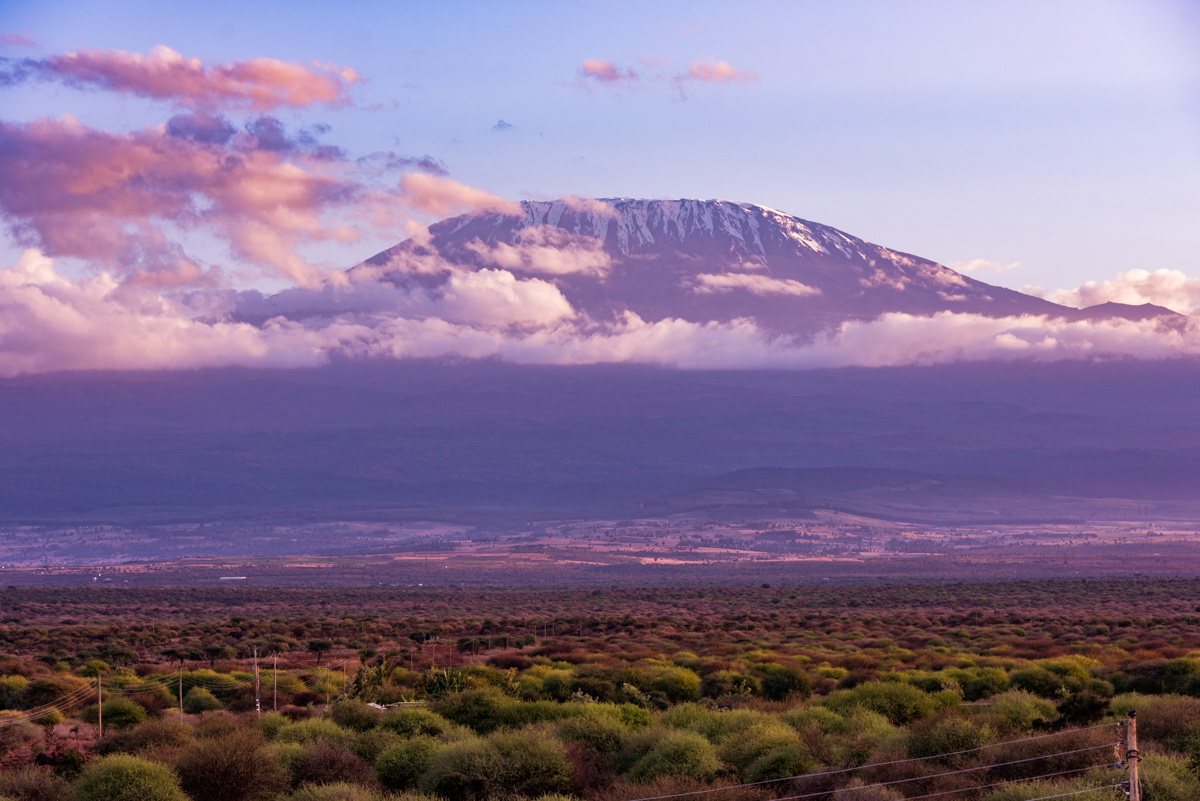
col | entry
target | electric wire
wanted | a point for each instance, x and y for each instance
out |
(933, 775)
(983, 786)
(894, 762)
(1076, 792)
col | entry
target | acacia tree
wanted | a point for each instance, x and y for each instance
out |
(319, 647)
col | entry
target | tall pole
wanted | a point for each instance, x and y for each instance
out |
(99, 705)
(1132, 757)
(181, 689)
(275, 684)
(257, 685)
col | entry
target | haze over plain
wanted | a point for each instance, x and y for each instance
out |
(227, 196)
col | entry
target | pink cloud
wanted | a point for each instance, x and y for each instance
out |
(1170, 288)
(75, 191)
(713, 71)
(441, 197)
(709, 70)
(548, 250)
(603, 70)
(712, 283)
(260, 84)
(22, 39)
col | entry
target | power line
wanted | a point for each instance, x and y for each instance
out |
(1077, 792)
(884, 764)
(1001, 784)
(936, 775)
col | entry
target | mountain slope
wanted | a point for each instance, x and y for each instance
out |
(704, 261)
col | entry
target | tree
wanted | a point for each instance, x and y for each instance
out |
(319, 647)
(181, 654)
(199, 700)
(216, 651)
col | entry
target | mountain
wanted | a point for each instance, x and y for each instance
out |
(705, 261)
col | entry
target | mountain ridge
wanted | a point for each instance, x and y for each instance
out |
(709, 261)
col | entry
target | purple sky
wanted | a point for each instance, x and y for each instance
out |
(1041, 144)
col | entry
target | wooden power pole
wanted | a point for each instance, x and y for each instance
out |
(257, 685)
(1132, 758)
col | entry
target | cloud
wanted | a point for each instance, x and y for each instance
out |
(260, 84)
(22, 39)
(589, 205)
(548, 250)
(982, 265)
(710, 283)
(604, 71)
(503, 126)
(1170, 288)
(381, 162)
(709, 70)
(75, 191)
(441, 197)
(49, 323)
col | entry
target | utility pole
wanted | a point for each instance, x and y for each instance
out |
(275, 683)
(99, 704)
(181, 690)
(1132, 757)
(257, 685)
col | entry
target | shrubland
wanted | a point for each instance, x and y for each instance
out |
(953, 692)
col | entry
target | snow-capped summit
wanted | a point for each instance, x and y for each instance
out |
(698, 260)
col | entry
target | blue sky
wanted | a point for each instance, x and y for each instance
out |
(1061, 135)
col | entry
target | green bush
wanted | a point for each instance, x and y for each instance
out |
(1045, 683)
(464, 770)
(986, 683)
(400, 766)
(1170, 720)
(598, 732)
(901, 704)
(678, 685)
(311, 731)
(946, 736)
(531, 763)
(792, 760)
(677, 753)
(198, 700)
(237, 767)
(823, 718)
(119, 713)
(340, 791)
(44, 691)
(727, 682)
(481, 710)
(368, 745)
(1023, 710)
(754, 743)
(353, 714)
(270, 723)
(414, 722)
(153, 735)
(780, 682)
(122, 777)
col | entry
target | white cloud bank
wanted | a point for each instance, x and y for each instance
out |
(48, 323)
(1169, 288)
